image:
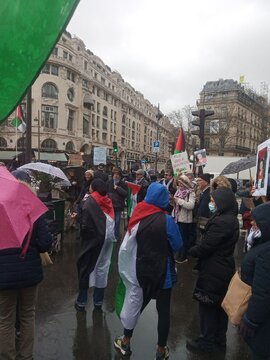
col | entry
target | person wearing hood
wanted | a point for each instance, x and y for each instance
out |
(147, 268)
(97, 237)
(216, 268)
(255, 271)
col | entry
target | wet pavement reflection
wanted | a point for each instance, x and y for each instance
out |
(63, 333)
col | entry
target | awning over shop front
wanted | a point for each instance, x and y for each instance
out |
(51, 156)
(8, 155)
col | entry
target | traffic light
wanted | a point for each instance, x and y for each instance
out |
(115, 147)
(202, 114)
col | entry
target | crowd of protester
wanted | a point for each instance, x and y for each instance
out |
(173, 219)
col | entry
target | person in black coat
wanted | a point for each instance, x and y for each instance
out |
(100, 173)
(255, 271)
(203, 212)
(216, 268)
(117, 191)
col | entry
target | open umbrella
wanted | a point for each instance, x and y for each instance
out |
(48, 169)
(239, 165)
(19, 209)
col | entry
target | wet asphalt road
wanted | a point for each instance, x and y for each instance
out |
(64, 334)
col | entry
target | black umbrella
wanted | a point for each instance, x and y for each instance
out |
(239, 165)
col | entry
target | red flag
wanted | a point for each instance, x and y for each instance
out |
(180, 144)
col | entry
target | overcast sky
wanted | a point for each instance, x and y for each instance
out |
(167, 50)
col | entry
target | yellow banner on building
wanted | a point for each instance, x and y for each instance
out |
(242, 79)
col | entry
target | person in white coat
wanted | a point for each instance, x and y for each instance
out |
(184, 203)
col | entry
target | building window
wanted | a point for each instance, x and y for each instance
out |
(86, 126)
(55, 51)
(85, 65)
(93, 134)
(98, 108)
(69, 146)
(97, 135)
(46, 69)
(102, 80)
(104, 136)
(98, 121)
(123, 131)
(70, 94)
(54, 70)
(49, 116)
(3, 143)
(85, 83)
(50, 90)
(105, 111)
(104, 124)
(93, 120)
(50, 69)
(70, 57)
(65, 55)
(21, 144)
(71, 76)
(48, 145)
(71, 117)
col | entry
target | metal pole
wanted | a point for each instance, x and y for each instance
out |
(38, 135)
(28, 148)
(158, 116)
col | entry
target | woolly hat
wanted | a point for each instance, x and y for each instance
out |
(206, 177)
(99, 186)
(184, 180)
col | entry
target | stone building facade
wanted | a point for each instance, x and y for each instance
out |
(81, 104)
(241, 119)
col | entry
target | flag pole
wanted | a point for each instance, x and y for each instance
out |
(28, 137)
(16, 144)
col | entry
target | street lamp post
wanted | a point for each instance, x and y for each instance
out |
(38, 124)
(158, 116)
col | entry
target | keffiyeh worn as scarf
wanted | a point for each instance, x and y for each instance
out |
(180, 194)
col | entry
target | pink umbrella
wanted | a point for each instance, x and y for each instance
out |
(19, 209)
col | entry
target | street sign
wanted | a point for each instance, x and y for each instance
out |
(156, 146)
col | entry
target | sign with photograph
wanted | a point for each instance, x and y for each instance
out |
(262, 168)
(100, 155)
(180, 163)
(200, 157)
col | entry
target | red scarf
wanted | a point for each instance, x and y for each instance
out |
(141, 211)
(104, 202)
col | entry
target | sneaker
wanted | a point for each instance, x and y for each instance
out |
(181, 261)
(79, 306)
(124, 348)
(163, 355)
(197, 346)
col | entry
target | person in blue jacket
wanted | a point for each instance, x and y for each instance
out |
(255, 271)
(147, 267)
(19, 279)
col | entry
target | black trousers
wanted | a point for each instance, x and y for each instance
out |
(213, 325)
(163, 303)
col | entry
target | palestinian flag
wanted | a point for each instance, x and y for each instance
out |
(18, 121)
(180, 144)
(97, 239)
(142, 262)
(29, 31)
(133, 190)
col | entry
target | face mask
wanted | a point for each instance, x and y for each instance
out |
(212, 208)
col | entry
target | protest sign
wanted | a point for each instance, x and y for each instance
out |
(200, 157)
(180, 163)
(262, 168)
(100, 155)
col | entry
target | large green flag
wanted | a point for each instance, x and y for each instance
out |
(29, 31)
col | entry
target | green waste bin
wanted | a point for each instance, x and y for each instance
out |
(56, 213)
